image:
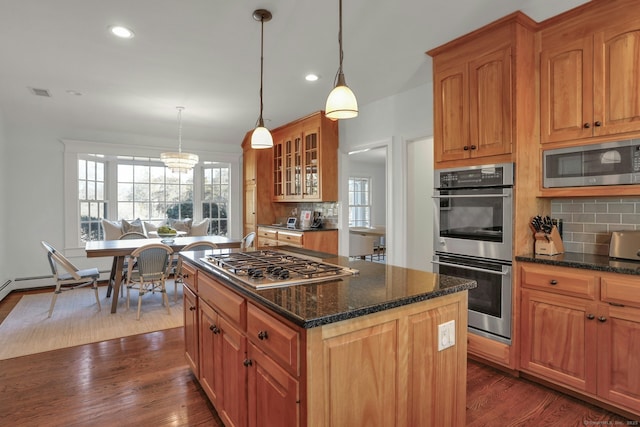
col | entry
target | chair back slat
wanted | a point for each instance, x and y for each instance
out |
(152, 260)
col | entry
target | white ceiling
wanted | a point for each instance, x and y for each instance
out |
(205, 55)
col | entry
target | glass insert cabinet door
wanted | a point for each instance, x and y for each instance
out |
(311, 165)
(293, 167)
(277, 170)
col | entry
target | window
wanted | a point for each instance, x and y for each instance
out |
(359, 202)
(215, 199)
(142, 187)
(91, 197)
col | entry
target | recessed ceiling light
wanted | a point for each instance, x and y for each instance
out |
(311, 77)
(122, 32)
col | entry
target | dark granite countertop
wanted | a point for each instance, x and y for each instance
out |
(378, 287)
(584, 261)
(284, 227)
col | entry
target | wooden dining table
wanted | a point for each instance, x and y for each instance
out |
(120, 249)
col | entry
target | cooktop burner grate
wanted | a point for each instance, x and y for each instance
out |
(267, 269)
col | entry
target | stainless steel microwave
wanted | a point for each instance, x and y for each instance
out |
(608, 163)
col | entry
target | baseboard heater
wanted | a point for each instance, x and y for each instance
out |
(4, 285)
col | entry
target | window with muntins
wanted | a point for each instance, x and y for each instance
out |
(359, 202)
(92, 201)
(215, 197)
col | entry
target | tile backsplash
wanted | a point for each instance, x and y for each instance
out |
(588, 223)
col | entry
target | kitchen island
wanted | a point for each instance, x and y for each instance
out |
(359, 350)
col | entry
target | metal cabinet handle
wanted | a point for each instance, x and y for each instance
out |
(214, 329)
(263, 335)
(465, 148)
(192, 308)
(587, 125)
(247, 362)
(598, 123)
(602, 319)
(553, 282)
(591, 316)
(473, 147)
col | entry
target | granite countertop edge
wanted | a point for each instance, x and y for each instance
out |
(308, 323)
(584, 261)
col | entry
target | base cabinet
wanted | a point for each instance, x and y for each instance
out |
(381, 369)
(321, 241)
(191, 329)
(581, 330)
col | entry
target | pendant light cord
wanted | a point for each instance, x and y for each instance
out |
(260, 120)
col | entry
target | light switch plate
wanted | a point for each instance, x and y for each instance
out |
(446, 335)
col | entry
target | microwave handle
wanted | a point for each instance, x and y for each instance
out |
(482, 270)
(462, 196)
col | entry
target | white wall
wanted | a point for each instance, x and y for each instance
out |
(4, 209)
(34, 185)
(390, 122)
(420, 209)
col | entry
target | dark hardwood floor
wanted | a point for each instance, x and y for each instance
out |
(143, 380)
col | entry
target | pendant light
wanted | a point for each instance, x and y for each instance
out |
(341, 102)
(179, 162)
(261, 137)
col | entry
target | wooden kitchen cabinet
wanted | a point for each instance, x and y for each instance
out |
(583, 332)
(305, 160)
(257, 187)
(321, 240)
(476, 85)
(590, 73)
(191, 329)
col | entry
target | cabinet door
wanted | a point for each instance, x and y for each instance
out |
(191, 330)
(566, 89)
(451, 114)
(273, 393)
(232, 353)
(617, 79)
(311, 163)
(278, 169)
(619, 355)
(249, 208)
(559, 339)
(249, 163)
(209, 354)
(490, 104)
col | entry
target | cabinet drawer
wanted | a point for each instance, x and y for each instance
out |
(289, 237)
(189, 276)
(232, 306)
(274, 338)
(624, 290)
(267, 233)
(559, 280)
(266, 242)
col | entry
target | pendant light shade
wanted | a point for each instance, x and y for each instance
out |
(261, 137)
(341, 102)
(179, 162)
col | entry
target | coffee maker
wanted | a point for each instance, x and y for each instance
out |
(317, 220)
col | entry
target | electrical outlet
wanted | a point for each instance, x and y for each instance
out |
(446, 335)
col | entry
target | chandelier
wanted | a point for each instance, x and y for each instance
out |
(341, 102)
(261, 137)
(179, 162)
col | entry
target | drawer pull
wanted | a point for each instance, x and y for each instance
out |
(247, 362)
(263, 335)
(192, 308)
(591, 316)
(214, 329)
(602, 319)
(553, 282)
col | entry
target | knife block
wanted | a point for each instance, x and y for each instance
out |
(548, 244)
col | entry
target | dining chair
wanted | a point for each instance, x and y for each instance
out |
(177, 274)
(128, 236)
(152, 261)
(247, 241)
(68, 276)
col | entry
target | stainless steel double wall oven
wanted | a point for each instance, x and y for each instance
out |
(473, 239)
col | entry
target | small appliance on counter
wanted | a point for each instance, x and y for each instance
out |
(317, 220)
(625, 245)
(548, 240)
(305, 219)
(292, 221)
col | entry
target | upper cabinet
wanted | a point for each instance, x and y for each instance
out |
(476, 96)
(590, 73)
(305, 160)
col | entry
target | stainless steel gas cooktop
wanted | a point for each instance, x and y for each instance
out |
(270, 269)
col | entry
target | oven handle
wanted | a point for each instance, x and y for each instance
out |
(482, 270)
(461, 196)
